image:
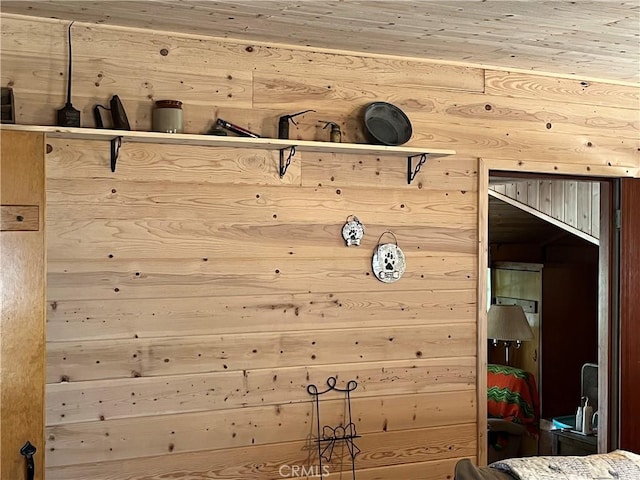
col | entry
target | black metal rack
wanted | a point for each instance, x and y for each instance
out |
(328, 436)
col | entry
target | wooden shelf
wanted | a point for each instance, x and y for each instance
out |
(116, 137)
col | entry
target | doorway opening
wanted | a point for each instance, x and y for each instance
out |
(547, 248)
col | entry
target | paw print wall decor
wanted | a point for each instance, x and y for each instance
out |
(388, 261)
(353, 231)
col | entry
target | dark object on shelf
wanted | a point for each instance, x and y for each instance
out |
(243, 132)
(335, 135)
(8, 109)
(328, 436)
(216, 130)
(119, 119)
(283, 124)
(67, 115)
(387, 124)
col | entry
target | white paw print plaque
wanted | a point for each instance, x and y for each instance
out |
(353, 231)
(388, 261)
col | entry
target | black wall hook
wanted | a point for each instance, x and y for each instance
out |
(283, 124)
(28, 451)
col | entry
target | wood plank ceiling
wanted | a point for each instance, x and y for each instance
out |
(510, 225)
(586, 39)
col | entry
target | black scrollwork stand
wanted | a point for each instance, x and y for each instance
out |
(328, 436)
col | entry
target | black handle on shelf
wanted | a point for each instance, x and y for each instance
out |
(27, 451)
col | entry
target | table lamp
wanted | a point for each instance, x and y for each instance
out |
(508, 324)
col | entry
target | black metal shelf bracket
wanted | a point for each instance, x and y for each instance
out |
(411, 172)
(284, 164)
(328, 436)
(116, 143)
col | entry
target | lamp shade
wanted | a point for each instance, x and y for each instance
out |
(508, 322)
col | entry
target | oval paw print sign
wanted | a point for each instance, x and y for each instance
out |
(353, 231)
(388, 261)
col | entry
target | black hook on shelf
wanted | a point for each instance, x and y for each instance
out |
(284, 165)
(411, 172)
(116, 143)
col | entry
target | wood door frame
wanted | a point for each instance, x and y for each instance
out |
(23, 319)
(485, 166)
(629, 308)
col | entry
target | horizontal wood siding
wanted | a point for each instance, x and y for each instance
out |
(575, 203)
(188, 315)
(193, 294)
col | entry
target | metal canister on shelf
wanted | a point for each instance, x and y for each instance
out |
(167, 116)
(336, 134)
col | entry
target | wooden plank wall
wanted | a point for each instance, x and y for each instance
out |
(574, 202)
(193, 294)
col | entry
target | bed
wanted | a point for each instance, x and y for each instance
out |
(616, 465)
